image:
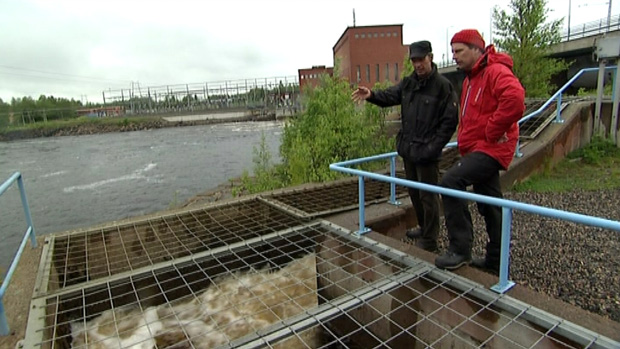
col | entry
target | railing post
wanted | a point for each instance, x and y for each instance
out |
(598, 125)
(4, 325)
(22, 193)
(613, 132)
(504, 284)
(518, 152)
(362, 194)
(558, 110)
(392, 184)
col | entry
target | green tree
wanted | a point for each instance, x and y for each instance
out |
(526, 35)
(331, 129)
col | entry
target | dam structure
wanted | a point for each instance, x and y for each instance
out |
(314, 266)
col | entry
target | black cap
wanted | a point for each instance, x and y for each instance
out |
(420, 49)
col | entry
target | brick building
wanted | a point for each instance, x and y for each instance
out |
(311, 76)
(371, 54)
(366, 55)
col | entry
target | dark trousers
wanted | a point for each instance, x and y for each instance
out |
(481, 171)
(426, 204)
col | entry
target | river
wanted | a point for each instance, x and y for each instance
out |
(78, 181)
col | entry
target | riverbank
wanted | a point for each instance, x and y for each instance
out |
(89, 126)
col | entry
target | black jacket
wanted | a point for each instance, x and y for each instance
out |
(429, 115)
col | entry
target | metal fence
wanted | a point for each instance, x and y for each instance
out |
(16, 177)
(270, 93)
(600, 26)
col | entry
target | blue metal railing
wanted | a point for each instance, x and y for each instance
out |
(16, 177)
(507, 206)
(558, 96)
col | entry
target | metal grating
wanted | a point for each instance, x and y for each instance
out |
(342, 196)
(533, 126)
(333, 197)
(95, 254)
(316, 286)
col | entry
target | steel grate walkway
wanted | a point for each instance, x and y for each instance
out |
(86, 256)
(311, 286)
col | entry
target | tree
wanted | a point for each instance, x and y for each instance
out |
(331, 129)
(526, 35)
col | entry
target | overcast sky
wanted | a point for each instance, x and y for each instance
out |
(79, 48)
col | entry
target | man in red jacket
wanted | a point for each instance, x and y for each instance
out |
(492, 101)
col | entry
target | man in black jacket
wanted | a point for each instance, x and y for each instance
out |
(429, 116)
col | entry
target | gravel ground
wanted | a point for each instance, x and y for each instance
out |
(572, 262)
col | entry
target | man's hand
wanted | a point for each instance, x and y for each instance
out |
(361, 94)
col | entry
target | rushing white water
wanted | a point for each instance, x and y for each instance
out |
(77, 181)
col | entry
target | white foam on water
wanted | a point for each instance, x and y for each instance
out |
(138, 174)
(53, 174)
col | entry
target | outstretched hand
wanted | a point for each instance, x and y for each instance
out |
(361, 94)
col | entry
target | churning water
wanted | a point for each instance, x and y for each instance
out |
(79, 181)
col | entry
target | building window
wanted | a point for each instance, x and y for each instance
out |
(388, 35)
(377, 73)
(395, 34)
(357, 36)
(382, 34)
(359, 74)
(368, 72)
(387, 71)
(375, 35)
(396, 71)
(363, 36)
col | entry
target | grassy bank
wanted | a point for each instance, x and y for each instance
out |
(81, 121)
(593, 167)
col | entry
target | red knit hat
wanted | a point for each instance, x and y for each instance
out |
(469, 36)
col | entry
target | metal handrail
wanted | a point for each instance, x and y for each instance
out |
(507, 206)
(16, 177)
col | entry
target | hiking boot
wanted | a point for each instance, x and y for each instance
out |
(451, 261)
(414, 233)
(481, 263)
(427, 246)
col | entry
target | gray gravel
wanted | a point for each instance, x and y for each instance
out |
(575, 263)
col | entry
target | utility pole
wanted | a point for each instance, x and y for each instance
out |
(569, 10)
(609, 16)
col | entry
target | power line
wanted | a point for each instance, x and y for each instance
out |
(59, 74)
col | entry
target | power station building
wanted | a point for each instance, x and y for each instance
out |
(365, 55)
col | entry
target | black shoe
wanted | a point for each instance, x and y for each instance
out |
(414, 233)
(481, 263)
(430, 247)
(451, 261)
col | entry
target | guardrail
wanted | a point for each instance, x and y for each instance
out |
(596, 27)
(16, 177)
(558, 95)
(507, 206)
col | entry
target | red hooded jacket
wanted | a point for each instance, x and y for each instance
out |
(492, 101)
